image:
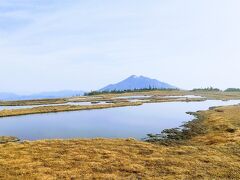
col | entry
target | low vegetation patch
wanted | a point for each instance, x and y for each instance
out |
(33, 102)
(181, 134)
(232, 90)
(6, 139)
(207, 89)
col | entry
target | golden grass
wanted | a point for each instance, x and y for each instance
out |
(5, 139)
(218, 95)
(213, 155)
(223, 125)
(33, 102)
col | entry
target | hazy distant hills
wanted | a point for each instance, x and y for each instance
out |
(8, 96)
(44, 95)
(137, 82)
(131, 83)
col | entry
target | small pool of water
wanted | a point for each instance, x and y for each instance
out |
(124, 122)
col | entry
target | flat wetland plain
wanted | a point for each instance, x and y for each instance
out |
(156, 96)
(210, 151)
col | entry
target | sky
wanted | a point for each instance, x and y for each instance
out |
(50, 45)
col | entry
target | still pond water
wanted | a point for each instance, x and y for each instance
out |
(123, 122)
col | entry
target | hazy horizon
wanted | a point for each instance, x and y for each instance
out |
(85, 45)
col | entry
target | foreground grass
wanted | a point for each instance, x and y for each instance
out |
(5, 139)
(212, 154)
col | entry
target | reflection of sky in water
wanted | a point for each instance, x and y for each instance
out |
(134, 121)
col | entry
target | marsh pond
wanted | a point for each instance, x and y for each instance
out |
(122, 122)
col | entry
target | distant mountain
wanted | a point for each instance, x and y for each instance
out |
(8, 96)
(44, 95)
(137, 82)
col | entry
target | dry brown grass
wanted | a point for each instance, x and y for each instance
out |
(5, 139)
(213, 155)
(33, 102)
(223, 125)
(218, 95)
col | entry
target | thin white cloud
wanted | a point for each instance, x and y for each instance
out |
(95, 42)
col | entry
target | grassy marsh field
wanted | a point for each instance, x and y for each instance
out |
(212, 154)
(220, 95)
(209, 149)
(155, 96)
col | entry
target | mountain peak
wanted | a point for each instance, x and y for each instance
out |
(137, 82)
(133, 76)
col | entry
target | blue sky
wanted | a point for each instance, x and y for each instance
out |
(48, 45)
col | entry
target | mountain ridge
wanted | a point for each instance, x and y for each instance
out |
(137, 82)
(43, 95)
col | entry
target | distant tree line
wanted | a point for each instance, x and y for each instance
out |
(207, 89)
(216, 89)
(232, 90)
(128, 90)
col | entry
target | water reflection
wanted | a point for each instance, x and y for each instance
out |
(124, 122)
